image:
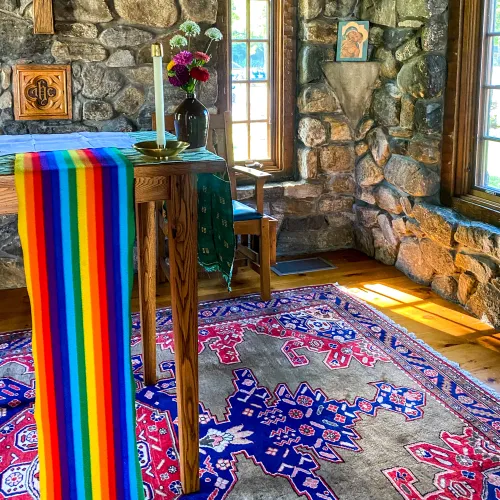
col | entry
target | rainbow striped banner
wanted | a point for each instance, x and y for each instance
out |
(76, 222)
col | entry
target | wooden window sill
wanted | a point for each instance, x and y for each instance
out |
(279, 174)
(477, 208)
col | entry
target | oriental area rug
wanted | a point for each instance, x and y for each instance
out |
(311, 395)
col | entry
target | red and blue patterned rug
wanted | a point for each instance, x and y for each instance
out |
(311, 395)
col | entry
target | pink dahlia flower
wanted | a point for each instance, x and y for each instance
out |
(185, 57)
(201, 56)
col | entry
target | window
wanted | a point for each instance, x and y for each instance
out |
(262, 101)
(470, 177)
(487, 172)
(251, 79)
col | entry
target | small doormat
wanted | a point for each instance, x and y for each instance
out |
(301, 266)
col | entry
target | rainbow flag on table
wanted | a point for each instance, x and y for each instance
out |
(76, 222)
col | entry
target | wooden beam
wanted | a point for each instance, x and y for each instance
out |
(151, 188)
(43, 18)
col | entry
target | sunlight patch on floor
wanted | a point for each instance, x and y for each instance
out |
(374, 298)
(393, 293)
(456, 316)
(429, 319)
(440, 317)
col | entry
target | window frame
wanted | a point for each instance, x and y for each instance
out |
(282, 55)
(483, 95)
(269, 81)
(463, 113)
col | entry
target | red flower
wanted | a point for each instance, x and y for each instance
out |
(200, 74)
(201, 56)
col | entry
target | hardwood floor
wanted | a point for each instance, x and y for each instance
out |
(446, 327)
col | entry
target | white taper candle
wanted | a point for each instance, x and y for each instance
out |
(157, 53)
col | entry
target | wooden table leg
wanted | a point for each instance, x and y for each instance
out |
(183, 257)
(146, 260)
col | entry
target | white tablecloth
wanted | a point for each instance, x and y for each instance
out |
(11, 144)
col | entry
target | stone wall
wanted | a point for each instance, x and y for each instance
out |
(398, 217)
(108, 44)
(354, 118)
(370, 133)
(399, 164)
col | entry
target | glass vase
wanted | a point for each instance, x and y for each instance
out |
(191, 120)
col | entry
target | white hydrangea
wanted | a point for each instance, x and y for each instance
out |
(178, 41)
(214, 34)
(190, 28)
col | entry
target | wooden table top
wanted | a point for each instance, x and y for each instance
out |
(151, 175)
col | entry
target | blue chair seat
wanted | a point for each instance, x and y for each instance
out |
(243, 212)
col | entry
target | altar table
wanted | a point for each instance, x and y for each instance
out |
(174, 181)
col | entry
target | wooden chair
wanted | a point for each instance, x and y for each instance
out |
(255, 231)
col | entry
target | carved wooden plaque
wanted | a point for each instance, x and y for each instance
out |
(42, 92)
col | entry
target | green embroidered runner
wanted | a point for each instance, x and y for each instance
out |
(216, 242)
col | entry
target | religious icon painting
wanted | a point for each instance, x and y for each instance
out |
(42, 92)
(352, 42)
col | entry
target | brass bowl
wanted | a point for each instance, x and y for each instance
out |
(150, 148)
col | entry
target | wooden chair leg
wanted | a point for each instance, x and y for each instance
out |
(273, 229)
(236, 264)
(265, 260)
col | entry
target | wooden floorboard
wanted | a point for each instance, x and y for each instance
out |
(446, 327)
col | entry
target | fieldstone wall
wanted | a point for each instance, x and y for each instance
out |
(370, 134)
(400, 153)
(398, 217)
(108, 44)
(434, 246)
(367, 133)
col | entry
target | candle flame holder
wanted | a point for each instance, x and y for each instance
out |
(151, 149)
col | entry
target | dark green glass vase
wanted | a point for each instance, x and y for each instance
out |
(191, 120)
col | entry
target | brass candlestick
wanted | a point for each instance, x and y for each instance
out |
(156, 50)
(151, 149)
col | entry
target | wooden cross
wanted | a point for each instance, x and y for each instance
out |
(43, 18)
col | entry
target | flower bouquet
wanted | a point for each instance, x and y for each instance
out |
(185, 70)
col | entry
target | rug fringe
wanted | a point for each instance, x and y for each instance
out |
(486, 388)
